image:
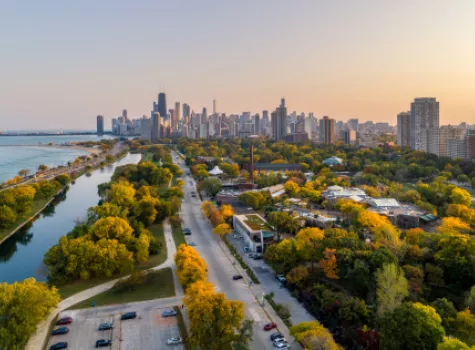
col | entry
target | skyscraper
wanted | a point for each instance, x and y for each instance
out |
(404, 129)
(172, 118)
(162, 104)
(327, 130)
(447, 133)
(214, 107)
(155, 134)
(425, 125)
(353, 124)
(186, 110)
(257, 124)
(177, 113)
(204, 116)
(279, 121)
(100, 124)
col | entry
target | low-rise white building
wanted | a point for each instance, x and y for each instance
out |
(255, 231)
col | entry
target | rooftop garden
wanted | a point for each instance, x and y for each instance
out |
(255, 222)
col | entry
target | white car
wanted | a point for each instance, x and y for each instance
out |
(280, 341)
(282, 346)
(174, 341)
(237, 236)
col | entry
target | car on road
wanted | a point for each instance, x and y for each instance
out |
(187, 231)
(258, 257)
(269, 326)
(251, 255)
(64, 320)
(103, 342)
(282, 346)
(281, 278)
(129, 316)
(59, 346)
(247, 249)
(174, 341)
(59, 331)
(105, 326)
(237, 236)
(237, 277)
(279, 341)
(275, 336)
(168, 313)
(192, 244)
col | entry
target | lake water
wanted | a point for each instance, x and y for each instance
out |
(21, 256)
(14, 155)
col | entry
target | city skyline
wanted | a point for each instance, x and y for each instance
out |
(338, 59)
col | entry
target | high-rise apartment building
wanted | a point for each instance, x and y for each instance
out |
(257, 124)
(204, 116)
(447, 133)
(425, 125)
(162, 104)
(348, 137)
(404, 129)
(100, 124)
(173, 118)
(353, 124)
(327, 130)
(177, 113)
(214, 107)
(279, 121)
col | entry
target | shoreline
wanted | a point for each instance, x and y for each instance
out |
(74, 147)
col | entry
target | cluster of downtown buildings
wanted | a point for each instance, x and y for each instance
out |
(277, 124)
(419, 129)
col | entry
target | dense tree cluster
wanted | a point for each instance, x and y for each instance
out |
(22, 306)
(115, 236)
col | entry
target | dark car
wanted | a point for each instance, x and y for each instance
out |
(105, 326)
(168, 313)
(64, 320)
(103, 342)
(270, 326)
(187, 231)
(258, 257)
(58, 346)
(128, 316)
(237, 277)
(275, 336)
(59, 331)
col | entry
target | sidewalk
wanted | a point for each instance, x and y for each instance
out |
(37, 340)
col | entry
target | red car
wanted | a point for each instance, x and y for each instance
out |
(270, 326)
(64, 320)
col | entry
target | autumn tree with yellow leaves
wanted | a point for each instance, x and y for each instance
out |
(191, 267)
(312, 335)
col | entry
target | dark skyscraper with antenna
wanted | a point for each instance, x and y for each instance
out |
(162, 104)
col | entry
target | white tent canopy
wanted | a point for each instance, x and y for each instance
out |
(215, 171)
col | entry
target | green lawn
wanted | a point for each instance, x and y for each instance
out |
(177, 233)
(157, 284)
(147, 157)
(154, 260)
(37, 205)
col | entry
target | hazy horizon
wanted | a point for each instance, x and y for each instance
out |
(65, 63)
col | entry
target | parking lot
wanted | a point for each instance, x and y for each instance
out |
(148, 331)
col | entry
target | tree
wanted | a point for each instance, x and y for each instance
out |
(298, 276)
(109, 209)
(411, 326)
(122, 194)
(314, 336)
(215, 321)
(309, 241)
(471, 300)
(212, 186)
(291, 188)
(392, 288)
(42, 167)
(24, 172)
(111, 228)
(24, 196)
(329, 263)
(145, 210)
(453, 344)
(226, 211)
(7, 216)
(206, 208)
(191, 268)
(446, 311)
(452, 225)
(464, 327)
(23, 305)
(222, 230)
(282, 222)
(460, 196)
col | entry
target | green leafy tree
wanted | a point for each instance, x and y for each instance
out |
(464, 327)
(453, 344)
(111, 228)
(212, 186)
(411, 326)
(392, 288)
(282, 222)
(24, 172)
(7, 216)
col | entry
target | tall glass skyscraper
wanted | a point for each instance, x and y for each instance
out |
(162, 104)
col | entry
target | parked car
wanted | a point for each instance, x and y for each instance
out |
(237, 277)
(282, 346)
(251, 255)
(129, 316)
(174, 341)
(64, 320)
(187, 231)
(281, 278)
(258, 257)
(192, 244)
(280, 341)
(102, 343)
(269, 326)
(275, 336)
(247, 249)
(59, 331)
(237, 236)
(168, 313)
(58, 346)
(105, 326)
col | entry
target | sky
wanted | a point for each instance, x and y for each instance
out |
(64, 62)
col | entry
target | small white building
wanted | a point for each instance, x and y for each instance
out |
(254, 230)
